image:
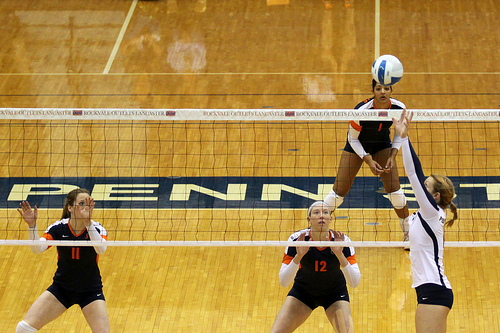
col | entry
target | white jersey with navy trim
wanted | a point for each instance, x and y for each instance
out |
(426, 226)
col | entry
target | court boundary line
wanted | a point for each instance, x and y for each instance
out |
(243, 94)
(118, 42)
(239, 73)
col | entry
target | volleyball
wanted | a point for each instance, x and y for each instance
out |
(387, 70)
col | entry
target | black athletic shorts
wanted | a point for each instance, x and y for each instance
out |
(434, 294)
(370, 147)
(324, 300)
(69, 298)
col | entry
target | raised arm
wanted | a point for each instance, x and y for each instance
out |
(94, 234)
(30, 216)
(413, 168)
(97, 236)
(347, 259)
(291, 261)
(427, 204)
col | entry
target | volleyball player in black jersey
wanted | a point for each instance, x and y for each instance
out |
(320, 275)
(77, 279)
(370, 142)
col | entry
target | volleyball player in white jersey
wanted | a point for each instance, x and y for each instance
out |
(370, 142)
(320, 275)
(434, 195)
(77, 279)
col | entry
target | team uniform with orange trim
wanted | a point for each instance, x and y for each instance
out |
(369, 136)
(77, 279)
(319, 280)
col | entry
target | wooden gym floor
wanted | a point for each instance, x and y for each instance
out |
(242, 54)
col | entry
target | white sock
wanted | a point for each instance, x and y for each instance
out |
(24, 327)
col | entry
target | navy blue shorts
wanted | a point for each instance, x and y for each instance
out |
(324, 300)
(370, 148)
(70, 298)
(434, 294)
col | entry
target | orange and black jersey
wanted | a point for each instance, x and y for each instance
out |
(373, 132)
(319, 271)
(77, 268)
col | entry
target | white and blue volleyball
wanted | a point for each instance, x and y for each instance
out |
(387, 70)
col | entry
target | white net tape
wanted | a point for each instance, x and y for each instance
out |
(235, 243)
(270, 164)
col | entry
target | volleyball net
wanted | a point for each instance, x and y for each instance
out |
(191, 177)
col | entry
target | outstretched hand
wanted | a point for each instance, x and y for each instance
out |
(338, 237)
(29, 215)
(301, 250)
(402, 125)
(89, 204)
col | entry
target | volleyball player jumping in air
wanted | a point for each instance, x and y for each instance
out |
(434, 195)
(77, 279)
(320, 275)
(370, 142)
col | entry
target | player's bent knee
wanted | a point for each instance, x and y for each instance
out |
(397, 199)
(24, 327)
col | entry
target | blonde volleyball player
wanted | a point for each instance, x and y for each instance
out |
(370, 142)
(77, 279)
(434, 195)
(320, 275)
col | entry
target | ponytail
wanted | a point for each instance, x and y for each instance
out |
(453, 210)
(445, 188)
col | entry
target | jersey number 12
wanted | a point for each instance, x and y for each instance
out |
(320, 266)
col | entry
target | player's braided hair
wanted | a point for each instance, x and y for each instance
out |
(445, 188)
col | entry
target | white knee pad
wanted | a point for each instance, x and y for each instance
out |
(397, 199)
(333, 200)
(24, 327)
